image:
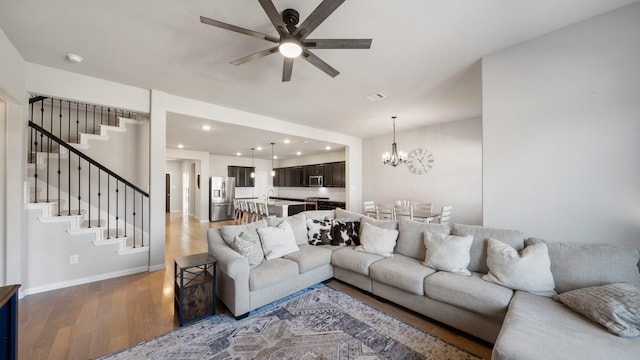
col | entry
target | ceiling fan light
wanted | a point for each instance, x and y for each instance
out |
(290, 49)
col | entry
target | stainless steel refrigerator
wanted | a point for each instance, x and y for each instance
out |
(222, 191)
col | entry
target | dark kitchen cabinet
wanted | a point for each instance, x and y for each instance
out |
(298, 176)
(242, 174)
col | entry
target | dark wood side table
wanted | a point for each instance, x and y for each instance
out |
(9, 322)
(195, 287)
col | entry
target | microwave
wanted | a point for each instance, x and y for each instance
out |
(315, 180)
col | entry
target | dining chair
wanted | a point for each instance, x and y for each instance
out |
(244, 209)
(237, 212)
(402, 212)
(384, 212)
(370, 209)
(445, 215)
(253, 211)
(423, 212)
(263, 210)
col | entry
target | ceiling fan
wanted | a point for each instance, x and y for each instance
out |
(292, 41)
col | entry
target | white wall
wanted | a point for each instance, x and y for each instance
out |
(562, 133)
(332, 156)
(12, 164)
(456, 178)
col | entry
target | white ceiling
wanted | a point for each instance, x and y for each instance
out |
(424, 55)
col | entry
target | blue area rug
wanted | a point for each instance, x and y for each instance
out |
(316, 323)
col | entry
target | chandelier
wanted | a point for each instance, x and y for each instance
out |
(253, 173)
(394, 158)
(273, 170)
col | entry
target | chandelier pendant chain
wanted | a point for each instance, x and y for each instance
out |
(396, 157)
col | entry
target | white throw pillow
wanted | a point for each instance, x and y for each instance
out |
(278, 241)
(528, 271)
(448, 252)
(375, 240)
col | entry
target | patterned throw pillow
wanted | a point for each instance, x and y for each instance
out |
(319, 231)
(614, 306)
(345, 232)
(250, 250)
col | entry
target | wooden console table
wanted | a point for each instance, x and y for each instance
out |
(9, 322)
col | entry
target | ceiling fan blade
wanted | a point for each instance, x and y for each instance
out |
(238, 29)
(338, 43)
(274, 16)
(258, 55)
(319, 63)
(318, 15)
(287, 68)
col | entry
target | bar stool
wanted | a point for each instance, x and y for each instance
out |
(253, 211)
(263, 210)
(237, 212)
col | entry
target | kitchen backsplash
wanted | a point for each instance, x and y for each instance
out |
(335, 194)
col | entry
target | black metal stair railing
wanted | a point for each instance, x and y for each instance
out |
(73, 117)
(50, 145)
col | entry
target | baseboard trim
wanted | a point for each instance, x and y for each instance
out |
(81, 281)
(157, 267)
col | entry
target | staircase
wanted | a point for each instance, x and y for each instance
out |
(67, 186)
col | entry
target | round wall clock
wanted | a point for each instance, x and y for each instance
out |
(420, 161)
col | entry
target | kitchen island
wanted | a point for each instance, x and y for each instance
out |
(284, 208)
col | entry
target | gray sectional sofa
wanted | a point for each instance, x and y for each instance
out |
(521, 325)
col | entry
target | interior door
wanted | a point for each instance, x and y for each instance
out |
(167, 186)
(260, 189)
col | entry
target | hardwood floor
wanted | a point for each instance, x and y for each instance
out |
(92, 320)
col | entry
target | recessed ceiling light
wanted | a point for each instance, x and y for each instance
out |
(180, 146)
(298, 153)
(286, 141)
(206, 127)
(238, 154)
(259, 148)
(275, 157)
(74, 58)
(328, 148)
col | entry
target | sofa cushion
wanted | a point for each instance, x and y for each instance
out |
(402, 272)
(447, 252)
(469, 292)
(229, 232)
(298, 224)
(615, 306)
(278, 241)
(319, 231)
(529, 270)
(248, 249)
(350, 259)
(576, 266)
(538, 327)
(310, 257)
(320, 214)
(480, 234)
(411, 241)
(272, 272)
(377, 240)
(384, 224)
(250, 231)
(347, 215)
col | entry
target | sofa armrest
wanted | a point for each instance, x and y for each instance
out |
(229, 261)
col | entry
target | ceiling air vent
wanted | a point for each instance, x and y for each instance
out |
(375, 97)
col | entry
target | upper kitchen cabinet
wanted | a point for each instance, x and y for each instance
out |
(242, 174)
(298, 176)
(338, 176)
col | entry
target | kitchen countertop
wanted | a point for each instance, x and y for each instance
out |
(285, 203)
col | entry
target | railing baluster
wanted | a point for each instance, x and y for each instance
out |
(134, 220)
(93, 130)
(125, 211)
(69, 185)
(117, 207)
(142, 220)
(89, 193)
(99, 195)
(108, 205)
(79, 183)
(86, 115)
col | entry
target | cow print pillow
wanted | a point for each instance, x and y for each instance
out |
(319, 231)
(345, 233)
